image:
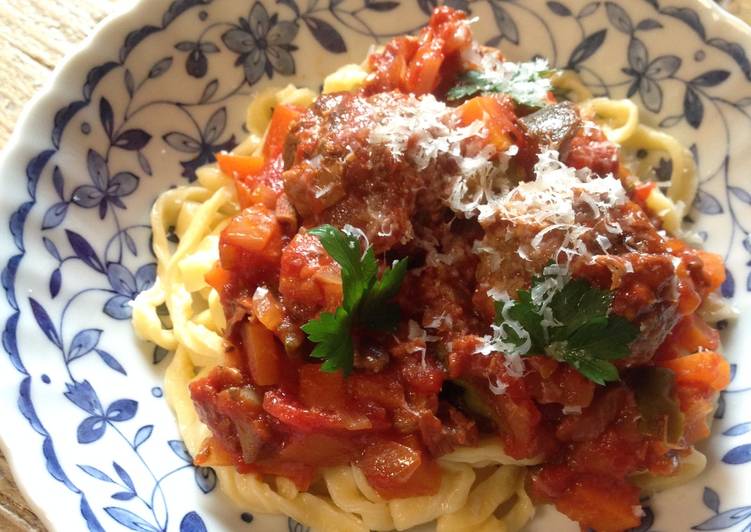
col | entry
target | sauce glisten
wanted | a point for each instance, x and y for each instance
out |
(413, 397)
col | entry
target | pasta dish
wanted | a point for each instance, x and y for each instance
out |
(447, 289)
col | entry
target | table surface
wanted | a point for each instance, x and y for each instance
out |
(32, 41)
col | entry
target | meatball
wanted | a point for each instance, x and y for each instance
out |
(335, 175)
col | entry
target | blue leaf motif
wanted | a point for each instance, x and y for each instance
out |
(728, 287)
(142, 435)
(145, 276)
(110, 361)
(124, 476)
(89, 517)
(58, 182)
(711, 499)
(118, 307)
(98, 170)
(725, 520)
(130, 243)
(160, 67)
(710, 78)
(205, 478)
(559, 9)
(122, 410)
(123, 496)
(619, 18)
(693, 109)
(51, 248)
(56, 280)
(748, 282)
(96, 473)
(325, 34)
(106, 116)
(82, 395)
(588, 9)
(505, 23)
(84, 251)
(55, 215)
(734, 50)
(587, 48)
(737, 430)
(738, 455)
(91, 429)
(706, 203)
(83, 343)
(688, 16)
(130, 520)
(192, 522)
(120, 279)
(648, 24)
(719, 412)
(132, 139)
(178, 447)
(741, 194)
(44, 322)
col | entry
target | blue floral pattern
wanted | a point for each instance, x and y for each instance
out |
(90, 222)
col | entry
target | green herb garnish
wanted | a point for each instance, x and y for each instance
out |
(578, 330)
(527, 83)
(366, 303)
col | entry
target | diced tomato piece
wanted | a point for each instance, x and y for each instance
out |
(690, 335)
(239, 167)
(642, 191)
(601, 503)
(267, 308)
(309, 278)
(382, 389)
(281, 122)
(706, 368)
(697, 404)
(595, 419)
(263, 352)
(447, 24)
(288, 411)
(590, 149)
(424, 70)
(319, 449)
(497, 114)
(388, 463)
(302, 475)
(714, 269)
(325, 390)
(252, 238)
(422, 64)
(217, 277)
(396, 470)
(425, 377)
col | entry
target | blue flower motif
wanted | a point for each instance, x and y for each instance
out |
(106, 189)
(647, 73)
(92, 428)
(204, 147)
(264, 44)
(127, 286)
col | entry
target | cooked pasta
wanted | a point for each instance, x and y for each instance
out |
(483, 485)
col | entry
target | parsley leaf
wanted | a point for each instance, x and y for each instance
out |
(579, 329)
(366, 299)
(527, 83)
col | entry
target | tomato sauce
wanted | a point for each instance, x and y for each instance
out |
(424, 390)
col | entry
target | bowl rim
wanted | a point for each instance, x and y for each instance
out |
(102, 43)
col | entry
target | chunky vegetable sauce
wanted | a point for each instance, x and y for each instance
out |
(435, 380)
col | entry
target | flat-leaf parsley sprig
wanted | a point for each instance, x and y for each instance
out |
(526, 83)
(570, 322)
(367, 301)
